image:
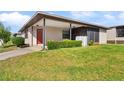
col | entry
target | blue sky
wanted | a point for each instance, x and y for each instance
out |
(15, 20)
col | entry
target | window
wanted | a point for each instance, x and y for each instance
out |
(120, 32)
(66, 34)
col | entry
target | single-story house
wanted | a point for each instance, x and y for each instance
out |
(115, 34)
(44, 26)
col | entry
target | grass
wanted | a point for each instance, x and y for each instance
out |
(7, 48)
(105, 62)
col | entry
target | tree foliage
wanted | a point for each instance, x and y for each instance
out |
(18, 41)
(4, 33)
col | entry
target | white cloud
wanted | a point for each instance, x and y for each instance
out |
(14, 18)
(121, 15)
(80, 14)
(108, 16)
(51, 12)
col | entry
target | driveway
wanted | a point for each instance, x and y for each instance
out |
(18, 52)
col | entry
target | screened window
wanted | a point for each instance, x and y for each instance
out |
(66, 34)
(120, 31)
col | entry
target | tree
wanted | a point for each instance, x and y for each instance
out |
(4, 33)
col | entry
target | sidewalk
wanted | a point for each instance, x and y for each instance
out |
(18, 52)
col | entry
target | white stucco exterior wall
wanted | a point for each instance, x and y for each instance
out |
(29, 39)
(34, 36)
(111, 34)
(23, 34)
(54, 33)
(39, 23)
(102, 36)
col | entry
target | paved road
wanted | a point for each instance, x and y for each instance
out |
(20, 51)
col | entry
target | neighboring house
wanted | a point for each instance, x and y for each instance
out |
(17, 34)
(115, 35)
(43, 27)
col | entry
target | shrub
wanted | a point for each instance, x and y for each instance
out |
(70, 43)
(63, 44)
(53, 44)
(90, 43)
(18, 41)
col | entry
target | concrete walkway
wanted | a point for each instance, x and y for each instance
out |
(18, 52)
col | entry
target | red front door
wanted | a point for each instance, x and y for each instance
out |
(39, 36)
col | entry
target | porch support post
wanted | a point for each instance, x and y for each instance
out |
(70, 31)
(44, 33)
(32, 36)
(115, 38)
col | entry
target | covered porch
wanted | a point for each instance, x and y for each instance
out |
(48, 29)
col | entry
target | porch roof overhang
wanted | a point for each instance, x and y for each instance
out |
(39, 15)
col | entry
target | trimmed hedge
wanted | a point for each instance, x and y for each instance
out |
(53, 44)
(63, 44)
(18, 41)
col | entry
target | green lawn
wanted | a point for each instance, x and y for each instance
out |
(105, 62)
(8, 48)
